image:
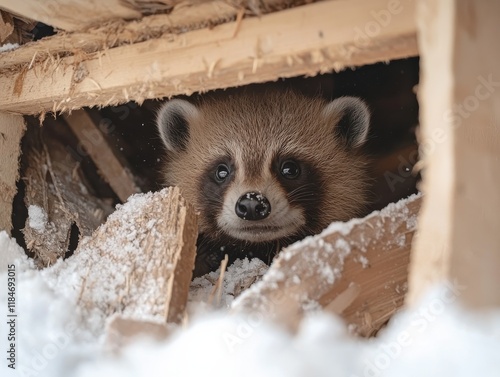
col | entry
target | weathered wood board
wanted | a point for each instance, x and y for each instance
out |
(12, 128)
(306, 40)
(459, 237)
(57, 199)
(356, 269)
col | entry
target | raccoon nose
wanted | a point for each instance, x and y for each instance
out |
(252, 206)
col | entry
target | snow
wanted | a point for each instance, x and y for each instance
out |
(239, 276)
(392, 211)
(11, 252)
(436, 338)
(9, 47)
(38, 218)
(363, 260)
(58, 337)
(102, 278)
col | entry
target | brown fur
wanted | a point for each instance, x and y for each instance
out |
(254, 127)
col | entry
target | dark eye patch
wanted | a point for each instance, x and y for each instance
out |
(305, 190)
(212, 189)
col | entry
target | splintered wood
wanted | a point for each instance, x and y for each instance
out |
(71, 14)
(189, 16)
(58, 201)
(356, 269)
(306, 40)
(459, 237)
(12, 128)
(139, 263)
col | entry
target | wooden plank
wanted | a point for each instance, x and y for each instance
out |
(304, 40)
(12, 129)
(152, 238)
(113, 170)
(459, 238)
(102, 37)
(357, 270)
(60, 203)
(71, 14)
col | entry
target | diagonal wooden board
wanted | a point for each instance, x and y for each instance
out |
(139, 263)
(190, 16)
(357, 269)
(306, 40)
(459, 96)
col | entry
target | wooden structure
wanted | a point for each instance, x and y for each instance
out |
(460, 99)
(142, 50)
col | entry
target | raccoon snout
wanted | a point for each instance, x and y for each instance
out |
(252, 206)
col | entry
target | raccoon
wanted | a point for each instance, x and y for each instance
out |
(265, 169)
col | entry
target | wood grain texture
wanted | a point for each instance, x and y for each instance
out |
(459, 238)
(71, 14)
(152, 240)
(55, 184)
(304, 40)
(186, 17)
(12, 129)
(357, 270)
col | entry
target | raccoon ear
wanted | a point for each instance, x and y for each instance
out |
(354, 119)
(173, 123)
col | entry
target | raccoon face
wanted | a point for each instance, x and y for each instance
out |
(268, 205)
(260, 169)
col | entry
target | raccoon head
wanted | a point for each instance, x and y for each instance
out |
(260, 168)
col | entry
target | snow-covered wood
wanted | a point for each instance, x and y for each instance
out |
(459, 237)
(189, 16)
(306, 40)
(71, 14)
(356, 269)
(152, 240)
(114, 170)
(12, 128)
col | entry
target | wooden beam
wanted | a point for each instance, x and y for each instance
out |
(12, 129)
(357, 270)
(120, 32)
(459, 238)
(306, 40)
(153, 241)
(71, 14)
(114, 171)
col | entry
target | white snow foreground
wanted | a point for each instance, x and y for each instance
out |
(54, 338)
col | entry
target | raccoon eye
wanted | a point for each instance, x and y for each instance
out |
(290, 169)
(221, 173)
